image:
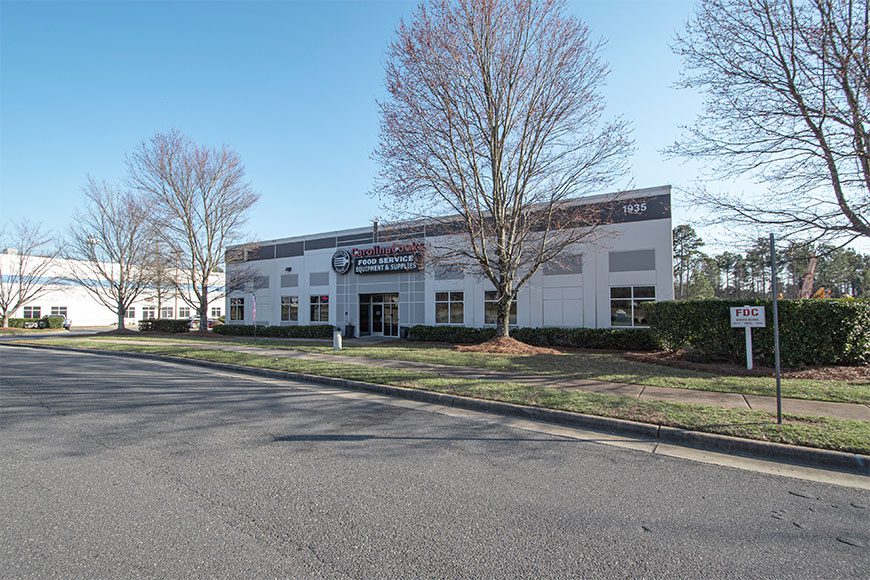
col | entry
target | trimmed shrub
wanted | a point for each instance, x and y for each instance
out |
(20, 322)
(51, 321)
(604, 338)
(450, 334)
(812, 332)
(314, 331)
(165, 325)
(596, 338)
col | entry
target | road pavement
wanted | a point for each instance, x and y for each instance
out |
(131, 468)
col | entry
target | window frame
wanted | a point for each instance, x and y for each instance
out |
(59, 311)
(451, 303)
(165, 309)
(149, 313)
(317, 303)
(236, 304)
(130, 312)
(215, 311)
(292, 308)
(35, 312)
(632, 300)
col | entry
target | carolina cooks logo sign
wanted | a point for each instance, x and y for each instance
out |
(379, 259)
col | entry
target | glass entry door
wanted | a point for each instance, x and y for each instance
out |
(379, 314)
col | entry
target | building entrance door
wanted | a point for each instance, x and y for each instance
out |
(379, 314)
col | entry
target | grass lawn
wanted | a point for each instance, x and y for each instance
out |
(17, 331)
(598, 366)
(828, 433)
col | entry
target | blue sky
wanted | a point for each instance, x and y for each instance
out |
(291, 86)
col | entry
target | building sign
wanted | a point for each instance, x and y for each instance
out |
(380, 259)
(341, 262)
(747, 317)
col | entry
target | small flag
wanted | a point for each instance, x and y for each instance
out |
(254, 309)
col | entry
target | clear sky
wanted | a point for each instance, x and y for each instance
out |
(291, 86)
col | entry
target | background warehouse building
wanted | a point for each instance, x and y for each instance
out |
(380, 281)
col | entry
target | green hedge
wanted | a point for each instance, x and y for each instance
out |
(20, 322)
(315, 331)
(812, 332)
(165, 325)
(604, 338)
(51, 321)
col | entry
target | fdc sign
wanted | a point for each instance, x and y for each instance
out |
(748, 317)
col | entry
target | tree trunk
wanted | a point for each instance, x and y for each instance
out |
(6, 320)
(203, 308)
(120, 317)
(502, 326)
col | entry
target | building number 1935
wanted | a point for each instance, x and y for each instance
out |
(634, 208)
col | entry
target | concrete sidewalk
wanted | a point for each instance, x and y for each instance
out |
(639, 392)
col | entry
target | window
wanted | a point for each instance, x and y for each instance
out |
(237, 308)
(215, 312)
(130, 313)
(32, 312)
(290, 308)
(167, 312)
(58, 311)
(320, 309)
(490, 308)
(627, 302)
(149, 312)
(184, 312)
(449, 308)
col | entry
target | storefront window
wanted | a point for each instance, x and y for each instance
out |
(449, 308)
(237, 308)
(490, 308)
(319, 308)
(290, 308)
(627, 305)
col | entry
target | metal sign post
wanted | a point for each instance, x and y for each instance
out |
(773, 288)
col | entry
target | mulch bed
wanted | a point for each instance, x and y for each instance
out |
(858, 374)
(502, 345)
(116, 332)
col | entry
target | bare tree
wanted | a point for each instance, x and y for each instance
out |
(26, 268)
(109, 247)
(787, 92)
(493, 123)
(201, 201)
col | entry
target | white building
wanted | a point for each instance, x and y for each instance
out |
(381, 283)
(71, 300)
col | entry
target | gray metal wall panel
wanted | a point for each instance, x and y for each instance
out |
(289, 280)
(289, 250)
(319, 244)
(632, 261)
(568, 264)
(318, 279)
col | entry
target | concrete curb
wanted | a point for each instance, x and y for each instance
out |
(807, 456)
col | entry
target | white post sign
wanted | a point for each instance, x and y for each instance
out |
(748, 317)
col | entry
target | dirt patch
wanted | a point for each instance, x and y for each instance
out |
(502, 345)
(855, 374)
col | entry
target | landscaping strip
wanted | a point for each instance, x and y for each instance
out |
(847, 442)
(586, 365)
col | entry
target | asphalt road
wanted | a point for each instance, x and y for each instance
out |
(122, 468)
